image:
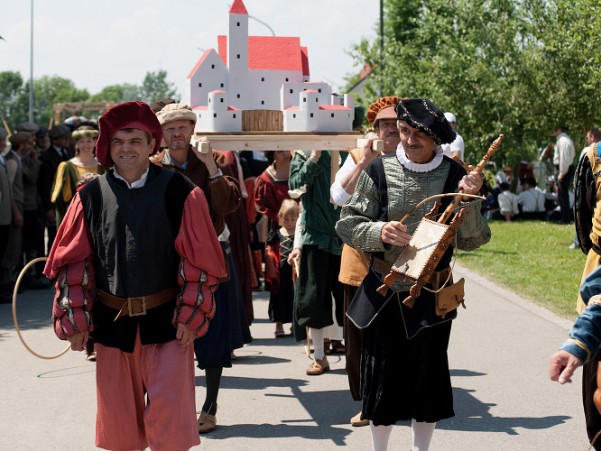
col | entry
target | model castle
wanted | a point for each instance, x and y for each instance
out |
(269, 74)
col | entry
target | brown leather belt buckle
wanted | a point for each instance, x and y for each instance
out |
(137, 301)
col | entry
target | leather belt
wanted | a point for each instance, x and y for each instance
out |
(136, 305)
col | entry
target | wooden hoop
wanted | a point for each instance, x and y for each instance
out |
(15, 322)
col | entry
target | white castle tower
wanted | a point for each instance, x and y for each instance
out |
(262, 73)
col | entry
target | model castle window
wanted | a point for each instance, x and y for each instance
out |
(241, 64)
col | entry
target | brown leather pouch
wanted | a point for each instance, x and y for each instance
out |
(450, 297)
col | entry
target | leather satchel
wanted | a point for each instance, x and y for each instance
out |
(450, 297)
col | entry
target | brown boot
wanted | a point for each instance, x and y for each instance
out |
(318, 367)
(357, 422)
(206, 422)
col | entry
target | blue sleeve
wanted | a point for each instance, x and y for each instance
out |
(585, 335)
(591, 285)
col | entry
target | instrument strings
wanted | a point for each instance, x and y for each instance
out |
(438, 215)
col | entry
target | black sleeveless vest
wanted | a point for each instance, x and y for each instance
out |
(132, 232)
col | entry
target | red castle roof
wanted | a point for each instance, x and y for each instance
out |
(238, 7)
(264, 52)
(271, 53)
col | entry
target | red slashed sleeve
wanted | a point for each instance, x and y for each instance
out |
(200, 266)
(70, 262)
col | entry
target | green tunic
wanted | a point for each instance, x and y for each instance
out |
(318, 282)
(319, 215)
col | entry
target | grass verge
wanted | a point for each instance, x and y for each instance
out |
(532, 259)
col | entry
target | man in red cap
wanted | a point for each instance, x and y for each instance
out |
(353, 265)
(136, 261)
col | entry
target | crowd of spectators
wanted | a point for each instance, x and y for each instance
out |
(541, 189)
(524, 199)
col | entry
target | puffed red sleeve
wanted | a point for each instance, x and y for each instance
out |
(265, 199)
(70, 262)
(201, 265)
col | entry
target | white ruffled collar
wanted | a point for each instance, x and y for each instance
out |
(419, 167)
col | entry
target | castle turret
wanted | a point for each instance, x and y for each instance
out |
(264, 73)
(237, 55)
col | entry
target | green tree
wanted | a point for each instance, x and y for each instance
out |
(520, 68)
(117, 93)
(50, 90)
(11, 88)
(155, 86)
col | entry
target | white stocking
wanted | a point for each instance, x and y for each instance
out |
(422, 434)
(379, 436)
(317, 338)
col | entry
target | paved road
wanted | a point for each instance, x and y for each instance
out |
(499, 352)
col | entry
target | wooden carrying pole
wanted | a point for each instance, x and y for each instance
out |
(263, 141)
(270, 141)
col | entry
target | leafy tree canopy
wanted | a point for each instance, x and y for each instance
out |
(155, 86)
(50, 90)
(520, 68)
(117, 93)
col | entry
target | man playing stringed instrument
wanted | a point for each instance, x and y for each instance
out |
(404, 370)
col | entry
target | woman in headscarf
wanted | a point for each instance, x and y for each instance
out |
(74, 173)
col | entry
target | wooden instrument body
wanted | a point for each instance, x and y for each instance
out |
(430, 240)
(421, 256)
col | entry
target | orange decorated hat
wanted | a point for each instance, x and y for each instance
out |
(383, 108)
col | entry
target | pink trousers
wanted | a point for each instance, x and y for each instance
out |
(146, 398)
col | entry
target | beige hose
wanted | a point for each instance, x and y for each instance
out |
(15, 291)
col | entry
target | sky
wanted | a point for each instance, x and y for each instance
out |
(106, 42)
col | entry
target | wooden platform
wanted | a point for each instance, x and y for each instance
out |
(265, 141)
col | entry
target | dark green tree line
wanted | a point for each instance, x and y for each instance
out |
(49, 90)
(514, 67)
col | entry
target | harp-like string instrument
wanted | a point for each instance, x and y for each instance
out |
(430, 240)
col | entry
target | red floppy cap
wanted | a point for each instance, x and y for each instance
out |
(126, 115)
